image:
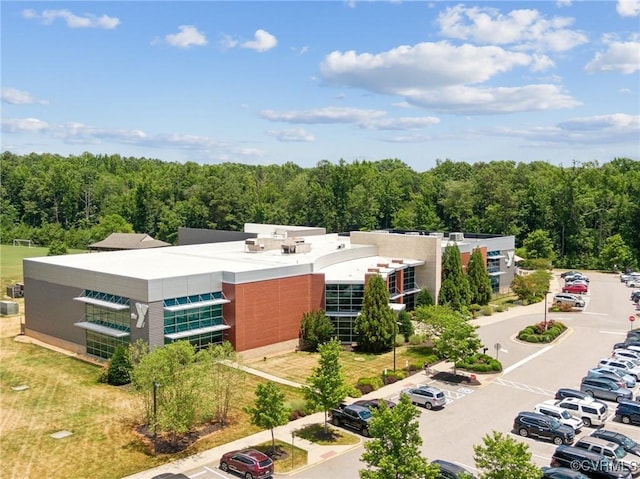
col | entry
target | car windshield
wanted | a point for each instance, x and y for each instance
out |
(554, 424)
(620, 452)
(628, 442)
(364, 414)
(565, 414)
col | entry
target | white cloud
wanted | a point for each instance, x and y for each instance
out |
(292, 135)
(442, 76)
(369, 119)
(20, 125)
(526, 29)
(619, 56)
(563, 3)
(602, 129)
(263, 41)
(628, 8)
(189, 36)
(73, 21)
(14, 96)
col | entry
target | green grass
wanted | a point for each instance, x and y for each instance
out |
(11, 261)
(287, 457)
(333, 437)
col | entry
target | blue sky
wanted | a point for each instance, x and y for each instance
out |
(274, 82)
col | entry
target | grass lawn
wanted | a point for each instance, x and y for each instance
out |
(333, 437)
(298, 366)
(63, 394)
(286, 457)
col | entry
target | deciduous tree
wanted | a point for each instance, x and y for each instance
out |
(394, 452)
(502, 457)
(269, 410)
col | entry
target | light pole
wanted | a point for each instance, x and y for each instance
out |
(156, 385)
(395, 334)
(545, 310)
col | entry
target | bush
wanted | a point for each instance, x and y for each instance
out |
(501, 307)
(120, 367)
(487, 310)
(537, 333)
(399, 339)
(480, 363)
(474, 308)
(417, 339)
(367, 385)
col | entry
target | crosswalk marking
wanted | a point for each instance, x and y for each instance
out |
(525, 387)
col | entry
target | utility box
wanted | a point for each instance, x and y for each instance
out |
(8, 308)
(16, 290)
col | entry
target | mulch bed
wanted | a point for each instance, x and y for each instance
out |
(457, 379)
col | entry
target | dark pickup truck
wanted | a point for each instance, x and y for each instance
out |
(355, 417)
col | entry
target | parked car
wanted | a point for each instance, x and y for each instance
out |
(622, 365)
(628, 355)
(622, 380)
(591, 411)
(248, 463)
(560, 414)
(544, 427)
(572, 393)
(592, 464)
(576, 276)
(603, 388)
(577, 288)
(561, 473)
(625, 441)
(450, 470)
(635, 295)
(170, 475)
(628, 412)
(629, 343)
(426, 396)
(569, 273)
(633, 281)
(568, 298)
(374, 403)
(611, 450)
(633, 334)
(355, 417)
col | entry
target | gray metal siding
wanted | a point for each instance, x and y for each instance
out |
(155, 325)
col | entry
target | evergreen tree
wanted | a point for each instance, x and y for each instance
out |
(327, 385)
(454, 290)
(270, 410)
(316, 329)
(405, 326)
(119, 370)
(394, 452)
(424, 298)
(479, 280)
(375, 325)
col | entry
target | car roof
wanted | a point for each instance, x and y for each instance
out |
(578, 451)
(598, 441)
(449, 466)
(254, 453)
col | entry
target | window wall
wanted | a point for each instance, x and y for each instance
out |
(199, 311)
(102, 345)
(343, 302)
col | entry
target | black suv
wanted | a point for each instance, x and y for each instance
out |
(592, 464)
(629, 412)
(626, 442)
(545, 427)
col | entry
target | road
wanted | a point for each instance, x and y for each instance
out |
(532, 374)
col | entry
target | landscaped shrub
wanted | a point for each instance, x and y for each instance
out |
(480, 363)
(119, 369)
(298, 409)
(417, 339)
(474, 308)
(487, 310)
(367, 385)
(501, 307)
(538, 334)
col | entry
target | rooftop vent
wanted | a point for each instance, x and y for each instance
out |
(457, 237)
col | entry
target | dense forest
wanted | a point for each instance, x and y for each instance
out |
(76, 199)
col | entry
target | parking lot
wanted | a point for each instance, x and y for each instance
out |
(532, 374)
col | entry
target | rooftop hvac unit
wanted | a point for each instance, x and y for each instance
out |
(456, 237)
(436, 235)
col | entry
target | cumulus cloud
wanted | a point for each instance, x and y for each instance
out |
(14, 96)
(189, 36)
(445, 77)
(292, 135)
(24, 125)
(628, 8)
(368, 119)
(526, 29)
(619, 56)
(89, 20)
(263, 41)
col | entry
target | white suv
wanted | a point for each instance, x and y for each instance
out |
(549, 408)
(621, 364)
(592, 413)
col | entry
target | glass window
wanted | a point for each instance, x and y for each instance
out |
(103, 346)
(195, 318)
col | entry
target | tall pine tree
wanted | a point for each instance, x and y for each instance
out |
(454, 290)
(375, 325)
(479, 280)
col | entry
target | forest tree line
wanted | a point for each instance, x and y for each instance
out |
(46, 197)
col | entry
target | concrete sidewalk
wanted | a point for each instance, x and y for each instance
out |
(317, 453)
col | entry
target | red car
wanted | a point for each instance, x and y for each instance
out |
(249, 463)
(575, 288)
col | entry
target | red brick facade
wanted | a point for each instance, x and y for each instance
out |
(268, 312)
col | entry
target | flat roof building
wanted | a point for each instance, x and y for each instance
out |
(251, 292)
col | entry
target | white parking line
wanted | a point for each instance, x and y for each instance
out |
(215, 472)
(525, 387)
(621, 333)
(527, 359)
